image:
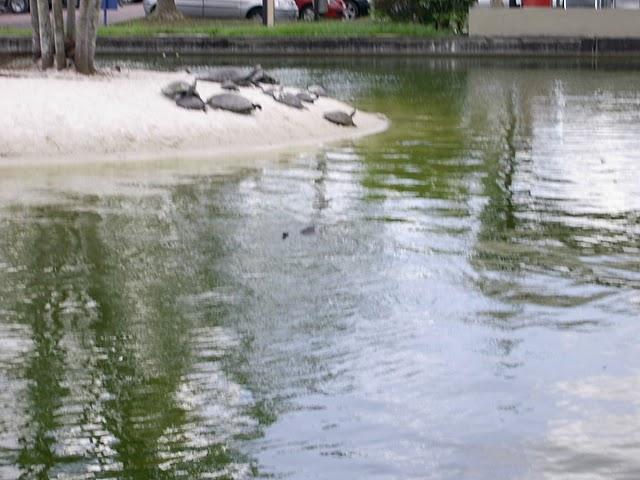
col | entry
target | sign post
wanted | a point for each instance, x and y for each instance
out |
(268, 13)
(107, 5)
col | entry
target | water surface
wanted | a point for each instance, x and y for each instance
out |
(467, 307)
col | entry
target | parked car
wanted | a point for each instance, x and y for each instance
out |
(23, 6)
(285, 9)
(356, 8)
(16, 6)
(335, 9)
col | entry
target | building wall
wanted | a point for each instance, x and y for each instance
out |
(553, 22)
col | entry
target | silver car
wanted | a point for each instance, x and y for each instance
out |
(285, 9)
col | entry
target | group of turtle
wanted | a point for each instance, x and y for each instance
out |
(230, 79)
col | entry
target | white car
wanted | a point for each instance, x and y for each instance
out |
(285, 9)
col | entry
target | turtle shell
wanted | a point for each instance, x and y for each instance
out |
(317, 90)
(306, 97)
(231, 102)
(191, 102)
(176, 89)
(223, 74)
(289, 99)
(229, 85)
(340, 118)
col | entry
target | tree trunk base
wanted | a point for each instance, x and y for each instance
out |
(170, 16)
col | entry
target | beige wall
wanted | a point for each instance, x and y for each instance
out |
(551, 22)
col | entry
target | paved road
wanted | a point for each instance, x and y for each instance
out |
(123, 14)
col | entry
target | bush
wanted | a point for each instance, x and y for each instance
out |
(439, 13)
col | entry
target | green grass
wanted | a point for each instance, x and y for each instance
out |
(361, 28)
(14, 32)
(217, 28)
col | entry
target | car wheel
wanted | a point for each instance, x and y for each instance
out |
(18, 6)
(351, 11)
(307, 14)
(255, 14)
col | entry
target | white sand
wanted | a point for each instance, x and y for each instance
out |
(121, 116)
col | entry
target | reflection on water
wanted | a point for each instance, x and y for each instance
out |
(467, 307)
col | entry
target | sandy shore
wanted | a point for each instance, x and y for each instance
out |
(121, 116)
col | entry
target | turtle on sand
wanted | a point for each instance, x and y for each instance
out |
(271, 91)
(191, 101)
(341, 118)
(306, 97)
(233, 103)
(288, 99)
(223, 74)
(176, 89)
(229, 85)
(260, 76)
(317, 90)
(238, 76)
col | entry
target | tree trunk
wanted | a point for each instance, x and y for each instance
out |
(46, 35)
(81, 55)
(166, 10)
(58, 33)
(94, 21)
(35, 31)
(71, 21)
(78, 56)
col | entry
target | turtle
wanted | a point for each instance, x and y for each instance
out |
(220, 75)
(317, 90)
(238, 76)
(233, 103)
(341, 118)
(288, 99)
(192, 101)
(178, 88)
(258, 75)
(271, 91)
(229, 85)
(306, 97)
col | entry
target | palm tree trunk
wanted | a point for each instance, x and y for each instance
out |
(166, 10)
(82, 49)
(86, 33)
(35, 31)
(94, 20)
(71, 21)
(46, 35)
(58, 33)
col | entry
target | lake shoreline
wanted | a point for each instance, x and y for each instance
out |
(63, 118)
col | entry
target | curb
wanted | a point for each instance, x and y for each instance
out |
(371, 46)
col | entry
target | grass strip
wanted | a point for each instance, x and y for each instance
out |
(244, 28)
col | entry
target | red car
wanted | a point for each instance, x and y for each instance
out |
(335, 9)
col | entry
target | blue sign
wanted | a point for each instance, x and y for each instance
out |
(108, 4)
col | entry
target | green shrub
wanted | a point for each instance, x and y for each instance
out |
(442, 14)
